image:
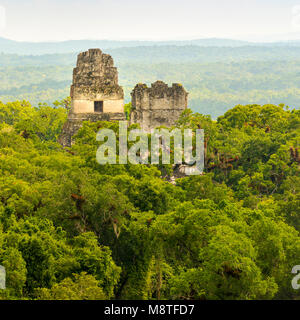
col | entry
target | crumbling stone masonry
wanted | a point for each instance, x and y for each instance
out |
(95, 81)
(95, 93)
(159, 105)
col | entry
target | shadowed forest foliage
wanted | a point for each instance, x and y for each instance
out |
(73, 229)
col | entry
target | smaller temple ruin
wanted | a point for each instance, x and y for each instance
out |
(159, 105)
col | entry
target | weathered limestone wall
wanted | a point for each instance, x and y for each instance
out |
(159, 105)
(82, 106)
(113, 106)
(87, 106)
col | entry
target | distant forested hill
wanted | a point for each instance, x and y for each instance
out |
(216, 77)
(38, 48)
(10, 46)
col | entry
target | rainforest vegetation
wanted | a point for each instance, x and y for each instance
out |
(217, 78)
(73, 229)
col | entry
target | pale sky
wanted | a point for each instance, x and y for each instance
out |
(52, 20)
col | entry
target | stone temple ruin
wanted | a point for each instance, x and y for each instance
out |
(96, 95)
(95, 87)
(157, 106)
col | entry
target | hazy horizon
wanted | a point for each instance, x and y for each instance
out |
(52, 21)
(251, 39)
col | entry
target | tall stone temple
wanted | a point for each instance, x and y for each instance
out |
(96, 95)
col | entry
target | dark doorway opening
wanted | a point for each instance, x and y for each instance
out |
(98, 106)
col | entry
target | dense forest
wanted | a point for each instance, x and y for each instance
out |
(216, 78)
(73, 229)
